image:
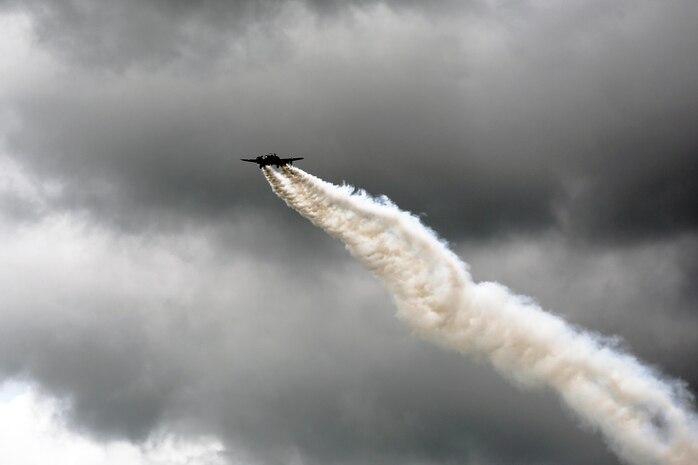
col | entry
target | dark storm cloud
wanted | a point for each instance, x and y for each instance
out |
(528, 120)
(495, 120)
(153, 32)
(139, 336)
(121, 34)
(278, 359)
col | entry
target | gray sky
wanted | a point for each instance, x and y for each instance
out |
(552, 144)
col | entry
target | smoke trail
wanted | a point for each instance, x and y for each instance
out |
(645, 419)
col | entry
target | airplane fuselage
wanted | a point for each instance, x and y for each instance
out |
(271, 159)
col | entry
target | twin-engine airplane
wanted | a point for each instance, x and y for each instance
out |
(271, 159)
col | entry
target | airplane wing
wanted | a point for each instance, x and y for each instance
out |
(287, 160)
(249, 159)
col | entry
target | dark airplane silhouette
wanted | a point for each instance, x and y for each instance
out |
(271, 159)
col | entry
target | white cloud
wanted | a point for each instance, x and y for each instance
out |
(32, 432)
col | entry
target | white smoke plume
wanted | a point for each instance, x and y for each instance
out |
(645, 419)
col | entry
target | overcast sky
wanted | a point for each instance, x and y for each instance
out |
(154, 291)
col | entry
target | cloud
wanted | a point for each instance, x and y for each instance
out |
(152, 284)
(149, 333)
(146, 334)
(591, 134)
(33, 432)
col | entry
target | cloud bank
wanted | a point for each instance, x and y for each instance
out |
(138, 255)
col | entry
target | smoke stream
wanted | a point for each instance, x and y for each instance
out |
(645, 419)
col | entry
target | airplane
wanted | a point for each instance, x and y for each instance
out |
(271, 159)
